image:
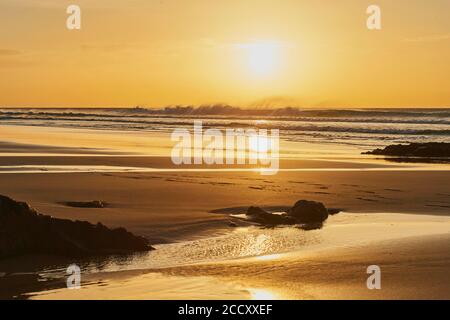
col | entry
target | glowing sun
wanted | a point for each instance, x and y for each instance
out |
(263, 57)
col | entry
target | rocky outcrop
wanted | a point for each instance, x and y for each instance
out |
(426, 150)
(261, 216)
(23, 231)
(303, 212)
(95, 204)
(333, 211)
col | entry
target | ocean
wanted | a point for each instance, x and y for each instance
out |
(363, 128)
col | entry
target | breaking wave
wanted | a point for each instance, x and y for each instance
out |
(294, 123)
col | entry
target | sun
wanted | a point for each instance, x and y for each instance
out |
(263, 57)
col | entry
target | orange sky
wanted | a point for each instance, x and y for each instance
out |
(252, 52)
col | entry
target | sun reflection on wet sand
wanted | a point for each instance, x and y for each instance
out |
(262, 294)
(268, 257)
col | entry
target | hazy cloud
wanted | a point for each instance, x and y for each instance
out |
(9, 52)
(429, 38)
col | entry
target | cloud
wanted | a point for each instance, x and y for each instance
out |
(9, 52)
(429, 38)
(32, 3)
(58, 4)
(11, 58)
(111, 47)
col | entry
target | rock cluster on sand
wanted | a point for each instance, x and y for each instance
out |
(87, 204)
(428, 150)
(23, 231)
(261, 216)
(303, 212)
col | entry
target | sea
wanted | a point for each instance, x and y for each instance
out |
(358, 127)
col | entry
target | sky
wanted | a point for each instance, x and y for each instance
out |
(248, 53)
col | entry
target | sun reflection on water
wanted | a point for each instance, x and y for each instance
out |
(260, 143)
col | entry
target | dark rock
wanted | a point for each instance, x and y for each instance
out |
(257, 211)
(87, 204)
(258, 215)
(232, 224)
(333, 211)
(311, 226)
(305, 211)
(309, 213)
(24, 231)
(429, 149)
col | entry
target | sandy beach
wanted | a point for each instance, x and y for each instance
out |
(221, 150)
(394, 215)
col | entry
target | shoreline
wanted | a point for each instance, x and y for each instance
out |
(257, 277)
(330, 265)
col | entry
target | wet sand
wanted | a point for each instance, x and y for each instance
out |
(172, 206)
(412, 252)
(396, 216)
